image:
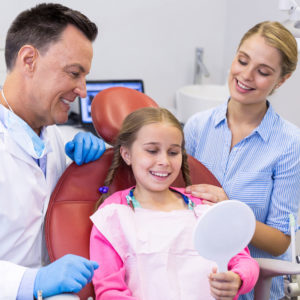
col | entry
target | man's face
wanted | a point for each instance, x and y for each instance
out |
(58, 78)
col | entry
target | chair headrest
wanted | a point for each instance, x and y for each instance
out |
(111, 106)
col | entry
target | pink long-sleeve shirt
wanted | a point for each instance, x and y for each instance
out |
(110, 280)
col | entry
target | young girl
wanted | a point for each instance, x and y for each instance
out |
(142, 236)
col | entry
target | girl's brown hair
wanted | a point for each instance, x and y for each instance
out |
(130, 127)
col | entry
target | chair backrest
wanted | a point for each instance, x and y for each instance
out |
(67, 227)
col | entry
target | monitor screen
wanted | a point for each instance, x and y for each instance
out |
(94, 87)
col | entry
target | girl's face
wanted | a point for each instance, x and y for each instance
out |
(155, 156)
(255, 71)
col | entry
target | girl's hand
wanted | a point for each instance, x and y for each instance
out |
(224, 286)
(210, 194)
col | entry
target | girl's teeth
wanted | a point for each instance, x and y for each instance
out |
(159, 174)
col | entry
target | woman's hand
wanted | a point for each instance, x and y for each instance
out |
(224, 286)
(210, 194)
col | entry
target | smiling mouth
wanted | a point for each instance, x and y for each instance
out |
(159, 174)
(65, 101)
(243, 86)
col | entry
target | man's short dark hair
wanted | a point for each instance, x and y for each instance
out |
(42, 25)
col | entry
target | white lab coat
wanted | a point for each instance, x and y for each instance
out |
(24, 197)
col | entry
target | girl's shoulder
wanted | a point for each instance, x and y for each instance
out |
(117, 198)
(111, 207)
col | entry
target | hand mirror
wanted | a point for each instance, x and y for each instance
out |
(224, 230)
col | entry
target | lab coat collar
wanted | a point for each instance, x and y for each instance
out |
(12, 146)
(14, 149)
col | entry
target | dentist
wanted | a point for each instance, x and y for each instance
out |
(48, 54)
(253, 152)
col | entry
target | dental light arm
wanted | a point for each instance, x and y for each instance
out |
(293, 21)
(292, 7)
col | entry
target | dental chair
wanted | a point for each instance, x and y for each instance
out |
(67, 225)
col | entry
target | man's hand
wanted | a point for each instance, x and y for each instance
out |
(84, 148)
(67, 274)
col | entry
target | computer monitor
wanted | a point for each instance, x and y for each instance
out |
(93, 87)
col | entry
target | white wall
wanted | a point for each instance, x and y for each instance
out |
(155, 40)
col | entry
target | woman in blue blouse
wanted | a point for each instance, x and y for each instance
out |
(252, 151)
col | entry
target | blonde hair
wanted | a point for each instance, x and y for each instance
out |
(130, 127)
(277, 36)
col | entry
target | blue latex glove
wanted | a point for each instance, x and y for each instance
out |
(85, 147)
(67, 274)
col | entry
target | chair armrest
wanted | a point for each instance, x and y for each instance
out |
(270, 268)
(275, 267)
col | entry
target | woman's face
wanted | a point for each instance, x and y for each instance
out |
(255, 71)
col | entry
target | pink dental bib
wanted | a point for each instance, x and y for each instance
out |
(157, 250)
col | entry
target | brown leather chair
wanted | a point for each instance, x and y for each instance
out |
(67, 227)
